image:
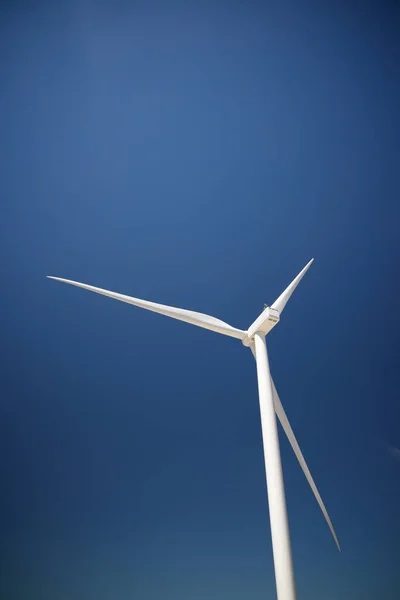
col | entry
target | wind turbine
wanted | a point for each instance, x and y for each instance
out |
(254, 338)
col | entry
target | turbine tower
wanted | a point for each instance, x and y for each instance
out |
(270, 404)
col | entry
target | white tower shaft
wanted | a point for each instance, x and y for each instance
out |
(284, 575)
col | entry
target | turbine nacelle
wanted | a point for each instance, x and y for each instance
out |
(263, 324)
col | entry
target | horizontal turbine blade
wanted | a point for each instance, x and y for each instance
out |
(281, 302)
(296, 449)
(189, 316)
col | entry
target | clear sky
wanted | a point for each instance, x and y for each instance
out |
(197, 154)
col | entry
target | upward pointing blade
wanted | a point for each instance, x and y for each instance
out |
(281, 302)
(189, 316)
(296, 449)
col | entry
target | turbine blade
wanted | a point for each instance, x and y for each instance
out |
(280, 412)
(189, 316)
(296, 449)
(281, 302)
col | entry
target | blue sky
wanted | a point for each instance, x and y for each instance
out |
(197, 154)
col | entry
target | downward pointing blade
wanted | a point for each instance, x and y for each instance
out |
(189, 316)
(281, 302)
(280, 412)
(296, 449)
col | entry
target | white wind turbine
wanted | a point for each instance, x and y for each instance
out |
(254, 338)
